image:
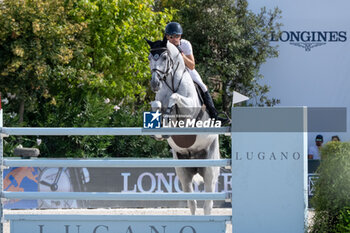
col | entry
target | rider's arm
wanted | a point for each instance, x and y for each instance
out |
(189, 60)
(186, 51)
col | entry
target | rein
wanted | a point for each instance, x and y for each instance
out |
(168, 72)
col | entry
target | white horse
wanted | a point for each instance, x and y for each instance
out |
(176, 95)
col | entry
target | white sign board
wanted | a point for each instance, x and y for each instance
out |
(269, 170)
(116, 224)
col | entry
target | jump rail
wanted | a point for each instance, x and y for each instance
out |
(109, 196)
(206, 222)
(112, 163)
(268, 177)
(116, 163)
(110, 131)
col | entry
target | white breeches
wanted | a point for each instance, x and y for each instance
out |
(197, 79)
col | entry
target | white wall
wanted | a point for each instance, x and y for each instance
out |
(316, 78)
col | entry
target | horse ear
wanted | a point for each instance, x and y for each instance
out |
(165, 41)
(149, 42)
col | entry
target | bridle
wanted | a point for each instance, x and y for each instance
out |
(168, 71)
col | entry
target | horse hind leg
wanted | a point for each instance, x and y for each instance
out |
(211, 175)
(185, 177)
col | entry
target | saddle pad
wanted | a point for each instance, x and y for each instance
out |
(184, 141)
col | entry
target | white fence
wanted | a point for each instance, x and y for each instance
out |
(269, 184)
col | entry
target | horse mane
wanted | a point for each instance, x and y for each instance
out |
(173, 51)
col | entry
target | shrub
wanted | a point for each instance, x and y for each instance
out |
(135, 146)
(344, 220)
(332, 189)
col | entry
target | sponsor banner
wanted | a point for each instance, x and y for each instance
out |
(21, 179)
(158, 180)
(309, 39)
(144, 180)
(312, 67)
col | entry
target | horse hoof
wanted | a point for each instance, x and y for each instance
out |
(157, 138)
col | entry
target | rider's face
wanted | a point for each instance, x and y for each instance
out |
(174, 39)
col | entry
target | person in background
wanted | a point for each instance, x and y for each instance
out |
(335, 138)
(314, 150)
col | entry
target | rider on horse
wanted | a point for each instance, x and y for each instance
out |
(173, 32)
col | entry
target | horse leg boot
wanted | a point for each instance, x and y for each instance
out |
(208, 101)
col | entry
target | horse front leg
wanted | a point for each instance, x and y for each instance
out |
(157, 106)
(180, 101)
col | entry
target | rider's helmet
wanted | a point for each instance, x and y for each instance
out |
(173, 28)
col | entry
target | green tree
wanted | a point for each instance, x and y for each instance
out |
(52, 47)
(40, 42)
(117, 45)
(61, 60)
(230, 43)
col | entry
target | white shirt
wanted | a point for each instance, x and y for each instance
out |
(313, 150)
(186, 47)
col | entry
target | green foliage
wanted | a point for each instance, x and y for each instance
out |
(61, 59)
(225, 146)
(332, 190)
(54, 46)
(117, 48)
(136, 146)
(344, 220)
(90, 112)
(40, 40)
(86, 111)
(230, 43)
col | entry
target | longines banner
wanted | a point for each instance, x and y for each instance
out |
(310, 39)
(312, 68)
(142, 180)
(23, 179)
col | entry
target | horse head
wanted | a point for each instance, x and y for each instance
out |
(161, 62)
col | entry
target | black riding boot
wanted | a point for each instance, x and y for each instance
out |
(213, 113)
